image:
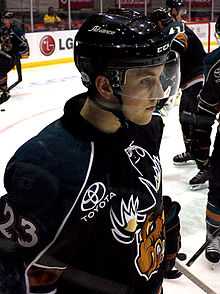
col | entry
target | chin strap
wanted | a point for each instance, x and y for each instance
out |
(117, 112)
(117, 79)
(124, 122)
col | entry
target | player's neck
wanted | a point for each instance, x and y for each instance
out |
(101, 119)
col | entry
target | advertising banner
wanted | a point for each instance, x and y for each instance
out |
(47, 47)
(77, 4)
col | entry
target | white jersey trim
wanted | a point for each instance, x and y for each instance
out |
(193, 82)
(34, 262)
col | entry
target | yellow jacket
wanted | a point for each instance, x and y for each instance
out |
(51, 19)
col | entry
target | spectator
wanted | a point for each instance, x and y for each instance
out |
(51, 20)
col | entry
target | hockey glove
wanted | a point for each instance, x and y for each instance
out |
(172, 227)
(197, 120)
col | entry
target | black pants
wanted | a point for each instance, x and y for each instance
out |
(197, 141)
(213, 205)
(6, 64)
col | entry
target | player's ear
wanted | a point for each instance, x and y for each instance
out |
(104, 87)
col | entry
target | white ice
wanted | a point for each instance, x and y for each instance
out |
(39, 100)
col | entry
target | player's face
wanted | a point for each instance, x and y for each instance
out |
(181, 13)
(7, 22)
(140, 93)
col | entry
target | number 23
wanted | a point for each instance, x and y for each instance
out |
(27, 227)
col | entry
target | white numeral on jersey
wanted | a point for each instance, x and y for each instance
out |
(5, 226)
(28, 229)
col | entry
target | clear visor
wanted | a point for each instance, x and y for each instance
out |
(153, 82)
(217, 37)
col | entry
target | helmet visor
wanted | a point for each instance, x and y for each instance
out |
(153, 82)
(217, 37)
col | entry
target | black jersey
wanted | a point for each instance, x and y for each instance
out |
(210, 59)
(209, 98)
(90, 200)
(191, 60)
(13, 41)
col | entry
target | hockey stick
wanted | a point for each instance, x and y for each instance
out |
(19, 72)
(202, 248)
(194, 279)
(6, 55)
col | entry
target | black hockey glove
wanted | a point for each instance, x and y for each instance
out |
(197, 120)
(173, 237)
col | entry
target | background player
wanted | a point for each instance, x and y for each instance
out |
(208, 108)
(192, 79)
(13, 46)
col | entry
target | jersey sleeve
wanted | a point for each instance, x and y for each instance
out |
(27, 210)
(21, 43)
(180, 43)
(209, 97)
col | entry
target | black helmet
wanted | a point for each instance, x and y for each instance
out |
(217, 26)
(112, 43)
(174, 4)
(161, 14)
(8, 14)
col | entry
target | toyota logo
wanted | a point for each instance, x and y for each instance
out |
(47, 45)
(93, 196)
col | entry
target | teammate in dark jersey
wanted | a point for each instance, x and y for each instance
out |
(13, 46)
(84, 210)
(208, 108)
(183, 45)
(192, 79)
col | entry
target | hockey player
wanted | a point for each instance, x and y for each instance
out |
(192, 79)
(162, 18)
(13, 46)
(208, 108)
(84, 211)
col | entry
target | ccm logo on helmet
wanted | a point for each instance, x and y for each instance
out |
(98, 29)
(163, 48)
